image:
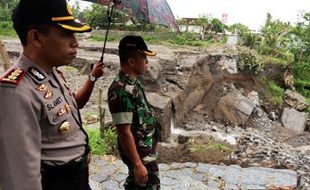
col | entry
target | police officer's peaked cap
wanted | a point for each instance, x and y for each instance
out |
(53, 12)
(135, 43)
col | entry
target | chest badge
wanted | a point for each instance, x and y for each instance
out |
(41, 87)
(48, 94)
(67, 107)
(64, 127)
(61, 112)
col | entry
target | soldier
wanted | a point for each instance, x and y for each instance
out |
(42, 142)
(136, 127)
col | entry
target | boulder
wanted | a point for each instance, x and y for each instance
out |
(295, 100)
(162, 109)
(235, 108)
(294, 120)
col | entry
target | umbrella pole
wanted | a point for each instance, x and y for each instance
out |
(110, 12)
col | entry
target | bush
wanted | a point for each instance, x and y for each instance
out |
(302, 78)
(102, 144)
(249, 60)
(286, 56)
(6, 29)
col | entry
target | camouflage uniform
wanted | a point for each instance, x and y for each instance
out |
(128, 105)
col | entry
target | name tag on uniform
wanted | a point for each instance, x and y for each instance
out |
(55, 103)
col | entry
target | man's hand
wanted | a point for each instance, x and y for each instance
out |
(97, 70)
(128, 144)
(141, 175)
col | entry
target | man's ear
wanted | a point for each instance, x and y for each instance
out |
(34, 37)
(131, 61)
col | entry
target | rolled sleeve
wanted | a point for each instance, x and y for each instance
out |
(122, 118)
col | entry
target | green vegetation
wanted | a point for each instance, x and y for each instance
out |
(197, 148)
(302, 80)
(273, 93)
(6, 8)
(102, 143)
(6, 29)
(249, 60)
(274, 60)
(219, 147)
(308, 110)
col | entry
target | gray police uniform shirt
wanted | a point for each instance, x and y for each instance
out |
(39, 121)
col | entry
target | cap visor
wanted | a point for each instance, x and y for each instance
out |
(74, 26)
(148, 53)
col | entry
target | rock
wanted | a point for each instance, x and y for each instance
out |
(289, 79)
(235, 108)
(294, 120)
(91, 118)
(253, 97)
(272, 115)
(163, 112)
(295, 100)
(152, 79)
(230, 64)
(182, 139)
(303, 149)
(186, 182)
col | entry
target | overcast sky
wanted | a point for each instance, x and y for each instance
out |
(251, 13)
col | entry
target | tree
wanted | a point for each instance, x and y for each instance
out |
(275, 34)
(302, 31)
(217, 26)
(6, 9)
(96, 16)
(248, 38)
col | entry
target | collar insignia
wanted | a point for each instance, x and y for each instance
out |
(36, 73)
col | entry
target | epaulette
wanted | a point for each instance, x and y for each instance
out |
(14, 76)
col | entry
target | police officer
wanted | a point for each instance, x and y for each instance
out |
(42, 142)
(135, 124)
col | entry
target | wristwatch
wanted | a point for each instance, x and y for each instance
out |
(92, 78)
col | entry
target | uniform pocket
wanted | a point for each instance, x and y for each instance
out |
(61, 123)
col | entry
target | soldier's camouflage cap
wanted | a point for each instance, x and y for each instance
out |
(53, 12)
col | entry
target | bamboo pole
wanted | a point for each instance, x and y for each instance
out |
(4, 57)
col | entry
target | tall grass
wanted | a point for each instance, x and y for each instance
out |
(102, 144)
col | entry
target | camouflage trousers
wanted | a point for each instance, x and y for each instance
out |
(153, 178)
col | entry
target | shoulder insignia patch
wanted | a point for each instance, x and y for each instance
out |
(36, 73)
(14, 76)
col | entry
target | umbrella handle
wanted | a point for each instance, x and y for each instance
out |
(109, 14)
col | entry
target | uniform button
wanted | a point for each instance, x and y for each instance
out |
(61, 111)
(67, 107)
(64, 127)
(48, 94)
